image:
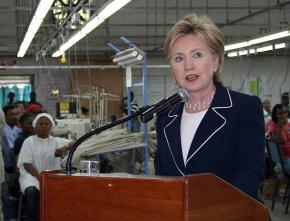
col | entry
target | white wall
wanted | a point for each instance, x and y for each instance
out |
(274, 69)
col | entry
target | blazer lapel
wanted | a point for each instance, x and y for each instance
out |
(212, 122)
(172, 135)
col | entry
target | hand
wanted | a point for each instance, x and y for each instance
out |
(281, 122)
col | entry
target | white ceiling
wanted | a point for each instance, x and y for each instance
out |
(145, 23)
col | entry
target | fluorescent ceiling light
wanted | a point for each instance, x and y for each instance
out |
(281, 45)
(40, 13)
(72, 40)
(265, 48)
(270, 37)
(243, 52)
(57, 54)
(236, 46)
(252, 51)
(105, 12)
(233, 54)
(259, 40)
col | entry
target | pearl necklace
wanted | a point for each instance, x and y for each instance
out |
(204, 104)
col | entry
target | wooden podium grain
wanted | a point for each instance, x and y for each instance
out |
(109, 197)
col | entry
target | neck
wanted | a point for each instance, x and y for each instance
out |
(201, 103)
(197, 97)
(26, 133)
(42, 136)
(11, 125)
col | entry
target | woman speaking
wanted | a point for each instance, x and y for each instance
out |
(217, 130)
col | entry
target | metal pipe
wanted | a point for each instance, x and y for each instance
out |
(145, 102)
(69, 67)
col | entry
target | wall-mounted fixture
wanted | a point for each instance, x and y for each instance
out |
(129, 57)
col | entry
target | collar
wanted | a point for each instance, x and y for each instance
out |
(221, 100)
(214, 117)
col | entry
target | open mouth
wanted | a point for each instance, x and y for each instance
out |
(191, 77)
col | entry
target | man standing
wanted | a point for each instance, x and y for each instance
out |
(9, 187)
(267, 110)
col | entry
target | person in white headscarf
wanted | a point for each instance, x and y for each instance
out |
(38, 153)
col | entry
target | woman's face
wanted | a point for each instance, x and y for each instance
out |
(281, 115)
(43, 127)
(193, 64)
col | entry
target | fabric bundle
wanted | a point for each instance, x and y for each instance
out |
(112, 141)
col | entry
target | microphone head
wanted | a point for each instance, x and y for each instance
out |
(183, 94)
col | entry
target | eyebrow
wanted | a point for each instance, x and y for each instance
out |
(192, 51)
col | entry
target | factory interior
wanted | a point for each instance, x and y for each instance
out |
(90, 96)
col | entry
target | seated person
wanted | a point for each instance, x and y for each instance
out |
(278, 130)
(38, 153)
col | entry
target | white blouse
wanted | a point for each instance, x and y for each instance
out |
(40, 153)
(188, 127)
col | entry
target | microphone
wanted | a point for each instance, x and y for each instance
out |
(162, 106)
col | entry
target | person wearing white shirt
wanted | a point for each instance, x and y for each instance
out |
(267, 110)
(38, 153)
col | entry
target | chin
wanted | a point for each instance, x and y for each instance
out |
(193, 89)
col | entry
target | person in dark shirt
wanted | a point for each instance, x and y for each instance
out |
(10, 97)
(33, 100)
(27, 130)
(135, 123)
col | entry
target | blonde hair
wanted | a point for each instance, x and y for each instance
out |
(203, 28)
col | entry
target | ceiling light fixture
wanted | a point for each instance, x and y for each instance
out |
(252, 51)
(279, 46)
(243, 52)
(256, 50)
(233, 54)
(129, 57)
(105, 12)
(40, 13)
(258, 40)
(265, 48)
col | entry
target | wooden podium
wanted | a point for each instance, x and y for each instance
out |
(109, 197)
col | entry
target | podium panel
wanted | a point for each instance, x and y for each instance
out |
(130, 198)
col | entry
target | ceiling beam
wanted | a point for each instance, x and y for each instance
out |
(173, 8)
(252, 14)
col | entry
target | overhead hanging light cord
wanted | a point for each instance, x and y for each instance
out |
(49, 74)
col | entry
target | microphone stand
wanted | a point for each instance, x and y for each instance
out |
(69, 169)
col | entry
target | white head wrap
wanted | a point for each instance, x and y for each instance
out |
(48, 116)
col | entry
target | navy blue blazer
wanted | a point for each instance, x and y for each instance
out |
(229, 142)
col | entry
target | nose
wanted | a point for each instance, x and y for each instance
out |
(188, 64)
